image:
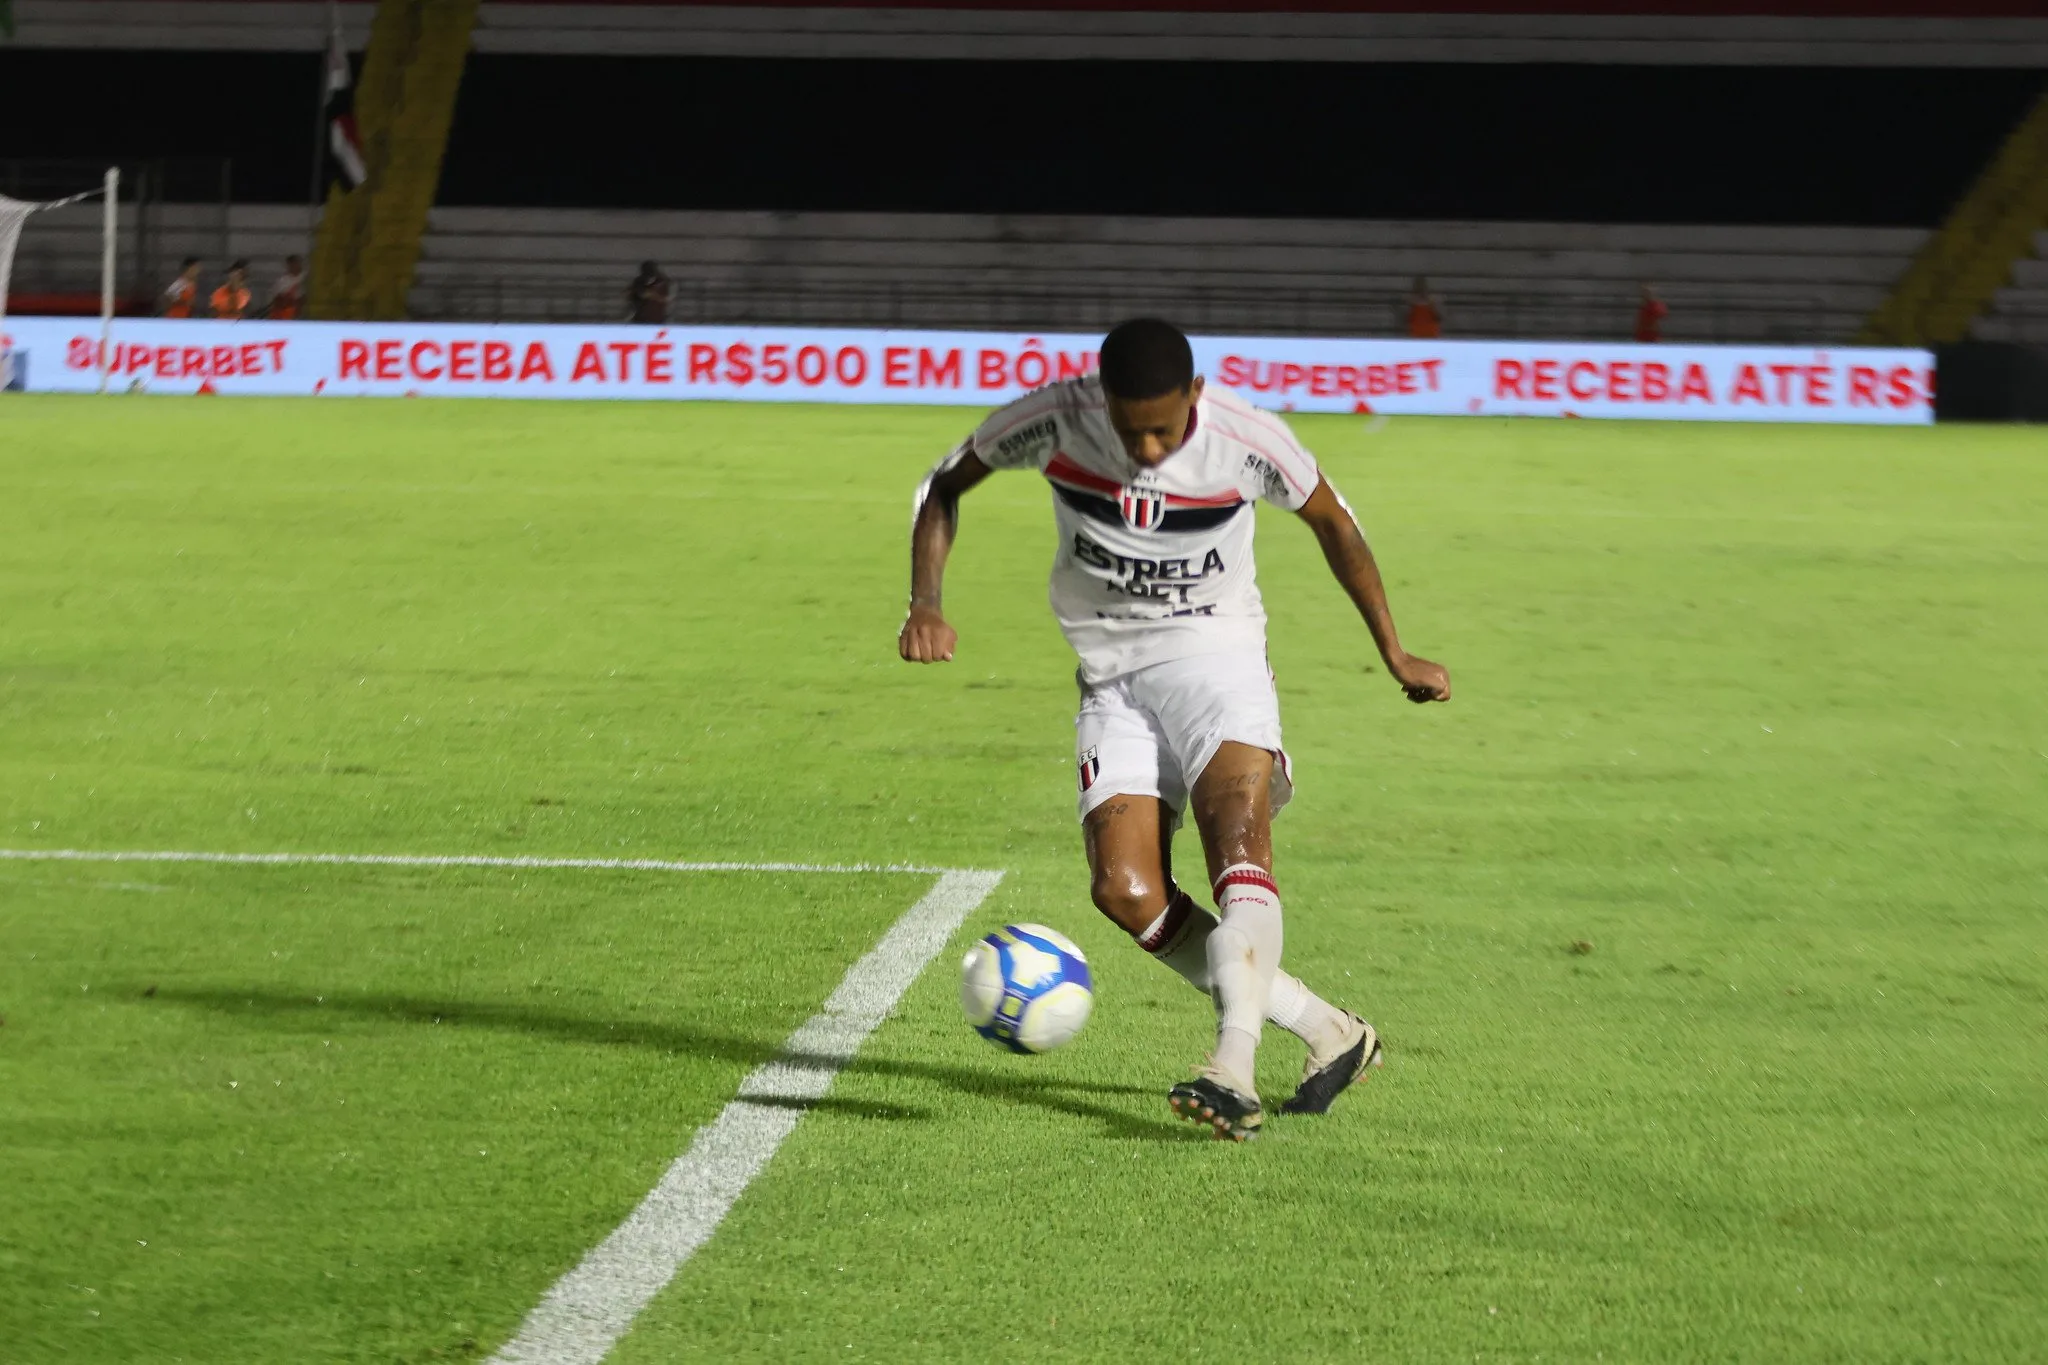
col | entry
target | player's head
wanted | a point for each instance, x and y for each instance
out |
(1150, 388)
(189, 266)
(294, 264)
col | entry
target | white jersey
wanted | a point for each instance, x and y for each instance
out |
(1153, 564)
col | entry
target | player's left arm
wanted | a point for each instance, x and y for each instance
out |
(1350, 559)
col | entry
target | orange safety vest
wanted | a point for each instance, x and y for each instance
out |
(230, 304)
(182, 294)
(1423, 321)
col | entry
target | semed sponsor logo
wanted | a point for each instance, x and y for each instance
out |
(1268, 477)
(1017, 442)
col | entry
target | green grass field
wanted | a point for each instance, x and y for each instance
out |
(1757, 714)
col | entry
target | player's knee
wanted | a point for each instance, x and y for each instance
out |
(1127, 898)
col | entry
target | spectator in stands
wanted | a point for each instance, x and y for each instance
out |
(181, 295)
(1425, 314)
(647, 296)
(1650, 316)
(288, 295)
(231, 300)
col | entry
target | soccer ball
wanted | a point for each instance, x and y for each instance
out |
(1026, 988)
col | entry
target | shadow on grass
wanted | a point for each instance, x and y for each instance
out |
(1059, 1096)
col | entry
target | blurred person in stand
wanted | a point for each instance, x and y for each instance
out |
(1425, 314)
(288, 295)
(647, 296)
(1650, 317)
(181, 295)
(231, 300)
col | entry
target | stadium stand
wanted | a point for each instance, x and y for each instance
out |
(1802, 279)
(1298, 276)
(1218, 274)
(2019, 312)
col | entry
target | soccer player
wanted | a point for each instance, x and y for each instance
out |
(1153, 476)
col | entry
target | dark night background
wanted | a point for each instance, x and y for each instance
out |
(1574, 143)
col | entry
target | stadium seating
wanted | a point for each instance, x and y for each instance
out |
(2019, 312)
(1793, 284)
(1495, 279)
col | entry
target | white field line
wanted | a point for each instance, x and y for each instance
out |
(584, 1314)
(81, 855)
(579, 1320)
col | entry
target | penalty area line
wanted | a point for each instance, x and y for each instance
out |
(583, 1315)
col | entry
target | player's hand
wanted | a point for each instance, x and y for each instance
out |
(1420, 679)
(926, 638)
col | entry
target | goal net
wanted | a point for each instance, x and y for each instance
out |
(14, 217)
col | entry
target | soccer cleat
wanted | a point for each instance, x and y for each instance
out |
(1202, 1100)
(1322, 1083)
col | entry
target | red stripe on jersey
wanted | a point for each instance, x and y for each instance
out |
(1064, 470)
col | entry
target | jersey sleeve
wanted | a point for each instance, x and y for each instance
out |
(1019, 435)
(1277, 467)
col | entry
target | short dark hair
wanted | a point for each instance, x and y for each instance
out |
(1146, 358)
(239, 265)
(188, 263)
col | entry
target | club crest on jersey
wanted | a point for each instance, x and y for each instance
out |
(1143, 508)
(1091, 768)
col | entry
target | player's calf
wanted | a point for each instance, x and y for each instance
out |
(1178, 939)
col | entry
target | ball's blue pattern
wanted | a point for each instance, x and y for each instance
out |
(1002, 1029)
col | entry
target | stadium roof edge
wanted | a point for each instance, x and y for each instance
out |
(1870, 33)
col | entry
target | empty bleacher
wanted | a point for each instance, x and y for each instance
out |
(1779, 284)
(1786, 284)
(2019, 312)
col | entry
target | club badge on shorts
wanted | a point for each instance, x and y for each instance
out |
(1091, 768)
(1143, 508)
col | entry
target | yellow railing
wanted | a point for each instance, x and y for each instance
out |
(370, 236)
(1965, 262)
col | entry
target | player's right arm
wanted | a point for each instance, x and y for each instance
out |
(926, 638)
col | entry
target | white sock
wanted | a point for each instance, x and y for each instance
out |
(1179, 938)
(1244, 953)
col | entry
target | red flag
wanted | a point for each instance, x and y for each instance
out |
(342, 141)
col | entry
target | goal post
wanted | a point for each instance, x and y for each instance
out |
(14, 216)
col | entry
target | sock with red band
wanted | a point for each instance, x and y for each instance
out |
(1179, 938)
(1244, 953)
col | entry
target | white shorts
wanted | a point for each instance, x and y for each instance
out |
(1151, 732)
